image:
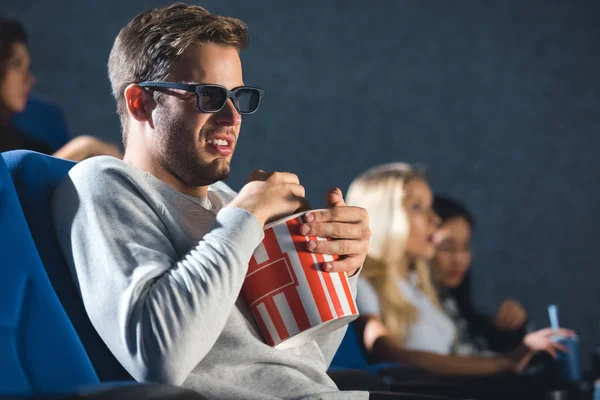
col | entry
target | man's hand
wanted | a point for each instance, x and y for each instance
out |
(510, 316)
(271, 195)
(347, 226)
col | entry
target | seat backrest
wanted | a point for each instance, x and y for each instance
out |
(350, 354)
(44, 121)
(39, 349)
(35, 177)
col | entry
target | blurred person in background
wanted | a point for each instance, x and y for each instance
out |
(401, 317)
(477, 334)
(16, 82)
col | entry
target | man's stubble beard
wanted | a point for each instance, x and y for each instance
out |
(179, 146)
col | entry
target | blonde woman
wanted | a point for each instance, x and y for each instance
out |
(401, 318)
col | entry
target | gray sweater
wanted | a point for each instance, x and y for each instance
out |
(160, 275)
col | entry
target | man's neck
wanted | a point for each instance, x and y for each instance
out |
(142, 161)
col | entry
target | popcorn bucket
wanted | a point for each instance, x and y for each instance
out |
(291, 298)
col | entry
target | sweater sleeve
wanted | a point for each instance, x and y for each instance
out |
(159, 313)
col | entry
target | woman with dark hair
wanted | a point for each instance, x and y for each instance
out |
(16, 82)
(477, 334)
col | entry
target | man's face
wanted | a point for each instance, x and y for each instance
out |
(197, 147)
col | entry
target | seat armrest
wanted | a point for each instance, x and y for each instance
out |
(119, 391)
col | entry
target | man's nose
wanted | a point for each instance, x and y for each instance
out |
(228, 116)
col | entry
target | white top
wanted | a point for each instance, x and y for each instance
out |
(433, 331)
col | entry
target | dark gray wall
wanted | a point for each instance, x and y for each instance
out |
(500, 100)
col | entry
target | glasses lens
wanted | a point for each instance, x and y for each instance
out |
(211, 98)
(247, 99)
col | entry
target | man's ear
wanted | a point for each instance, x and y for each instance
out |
(140, 102)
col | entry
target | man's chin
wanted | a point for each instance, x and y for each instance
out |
(222, 175)
(212, 173)
(221, 168)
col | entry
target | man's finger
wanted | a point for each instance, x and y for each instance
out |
(334, 230)
(347, 264)
(258, 175)
(304, 205)
(286, 177)
(339, 247)
(296, 189)
(334, 198)
(338, 214)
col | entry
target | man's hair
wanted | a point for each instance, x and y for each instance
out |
(10, 32)
(149, 44)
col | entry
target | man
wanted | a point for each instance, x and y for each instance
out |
(160, 247)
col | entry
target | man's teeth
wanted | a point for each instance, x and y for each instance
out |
(218, 142)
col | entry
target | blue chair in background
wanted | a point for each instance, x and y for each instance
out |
(44, 121)
(350, 354)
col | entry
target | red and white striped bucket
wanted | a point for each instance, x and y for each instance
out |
(292, 299)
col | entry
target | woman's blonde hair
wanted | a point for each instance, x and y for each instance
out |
(380, 190)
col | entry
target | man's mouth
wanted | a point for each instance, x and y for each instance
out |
(220, 145)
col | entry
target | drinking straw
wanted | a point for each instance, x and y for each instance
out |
(553, 314)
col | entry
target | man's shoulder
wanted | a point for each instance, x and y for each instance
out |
(104, 170)
(101, 177)
(100, 165)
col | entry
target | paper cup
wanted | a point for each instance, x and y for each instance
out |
(568, 365)
(291, 298)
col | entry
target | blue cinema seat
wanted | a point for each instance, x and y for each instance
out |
(349, 355)
(40, 351)
(35, 177)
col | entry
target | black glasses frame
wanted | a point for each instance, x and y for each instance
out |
(197, 89)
